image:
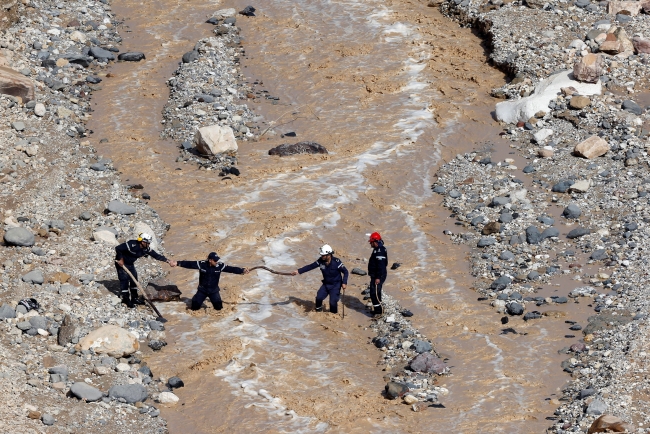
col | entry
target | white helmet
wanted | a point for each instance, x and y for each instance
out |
(145, 237)
(326, 250)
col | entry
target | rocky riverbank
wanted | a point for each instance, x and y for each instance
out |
(63, 211)
(563, 191)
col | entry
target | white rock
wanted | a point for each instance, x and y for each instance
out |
(167, 398)
(55, 32)
(578, 44)
(225, 13)
(580, 186)
(39, 110)
(111, 340)
(141, 227)
(518, 195)
(406, 345)
(122, 367)
(100, 370)
(543, 134)
(78, 37)
(410, 399)
(215, 139)
(107, 237)
(545, 91)
(42, 332)
(390, 318)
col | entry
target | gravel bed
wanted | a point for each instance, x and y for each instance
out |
(534, 210)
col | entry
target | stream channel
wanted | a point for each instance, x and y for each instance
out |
(392, 89)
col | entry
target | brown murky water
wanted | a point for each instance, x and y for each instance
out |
(397, 89)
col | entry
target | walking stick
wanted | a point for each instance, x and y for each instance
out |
(144, 294)
(343, 303)
(261, 267)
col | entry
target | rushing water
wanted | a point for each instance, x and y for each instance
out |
(397, 89)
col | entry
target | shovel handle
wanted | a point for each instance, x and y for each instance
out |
(144, 294)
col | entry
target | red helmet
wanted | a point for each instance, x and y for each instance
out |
(374, 237)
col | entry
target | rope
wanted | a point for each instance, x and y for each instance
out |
(261, 267)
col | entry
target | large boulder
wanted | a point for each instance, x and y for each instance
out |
(134, 56)
(111, 340)
(215, 139)
(19, 237)
(427, 362)
(593, 147)
(141, 227)
(35, 276)
(298, 148)
(589, 68)
(131, 393)
(104, 236)
(631, 8)
(16, 84)
(117, 207)
(525, 108)
(641, 44)
(86, 392)
(609, 423)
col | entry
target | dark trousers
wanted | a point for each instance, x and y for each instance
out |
(375, 294)
(334, 292)
(202, 294)
(126, 282)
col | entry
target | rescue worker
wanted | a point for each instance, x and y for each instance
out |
(377, 265)
(125, 255)
(209, 274)
(335, 278)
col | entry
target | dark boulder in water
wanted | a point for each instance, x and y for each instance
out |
(298, 148)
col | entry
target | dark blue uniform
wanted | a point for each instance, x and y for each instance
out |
(208, 281)
(131, 251)
(377, 270)
(334, 275)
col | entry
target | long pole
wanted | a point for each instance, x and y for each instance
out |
(343, 303)
(144, 294)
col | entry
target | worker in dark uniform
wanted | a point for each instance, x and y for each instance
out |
(125, 255)
(335, 278)
(377, 265)
(209, 274)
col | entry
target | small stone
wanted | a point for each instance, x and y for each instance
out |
(39, 110)
(577, 233)
(632, 107)
(132, 56)
(421, 346)
(596, 407)
(175, 382)
(486, 241)
(589, 68)
(167, 398)
(358, 271)
(501, 283)
(86, 392)
(593, 147)
(117, 207)
(514, 308)
(410, 399)
(131, 393)
(491, 228)
(572, 211)
(609, 423)
(19, 237)
(427, 363)
(395, 390)
(579, 102)
(48, 419)
(35, 277)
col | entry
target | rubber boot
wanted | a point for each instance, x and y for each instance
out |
(319, 305)
(134, 297)
(126, 299)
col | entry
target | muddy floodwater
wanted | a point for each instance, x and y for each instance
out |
(392, 89)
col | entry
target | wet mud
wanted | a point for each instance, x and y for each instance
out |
(392, 90)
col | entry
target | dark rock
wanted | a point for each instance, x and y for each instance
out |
(575, 327)
(562, 186)
(156, 325)
(505, 218)
(455, 194)
(572, 211)
(190, 56)
(499, 201)
(79, 59)
(380, 342)
(395, 390)
(605, 321)
(532, 315)
(528, 169)
(117, 207)
(358, 271)
(501, 283)
(101, 54)
(599, 255)
(532, 235)
(298, 148)
(533, 275)
(133, 56)
(131, 393)
(514, 308)
(421, 346)
(230, 20)
(577, 233)
(234, 171)
(586, 393)
(93, 80)
(578, 347)
(427, 363)
(506, 256)
(550, 233)
(86, 392)
(406, 313)
(175, 382)
(486, 241)
(546, 220)
(145, 370)
(440, 189)
(631, 226)
(7, 311)
(248, 11)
